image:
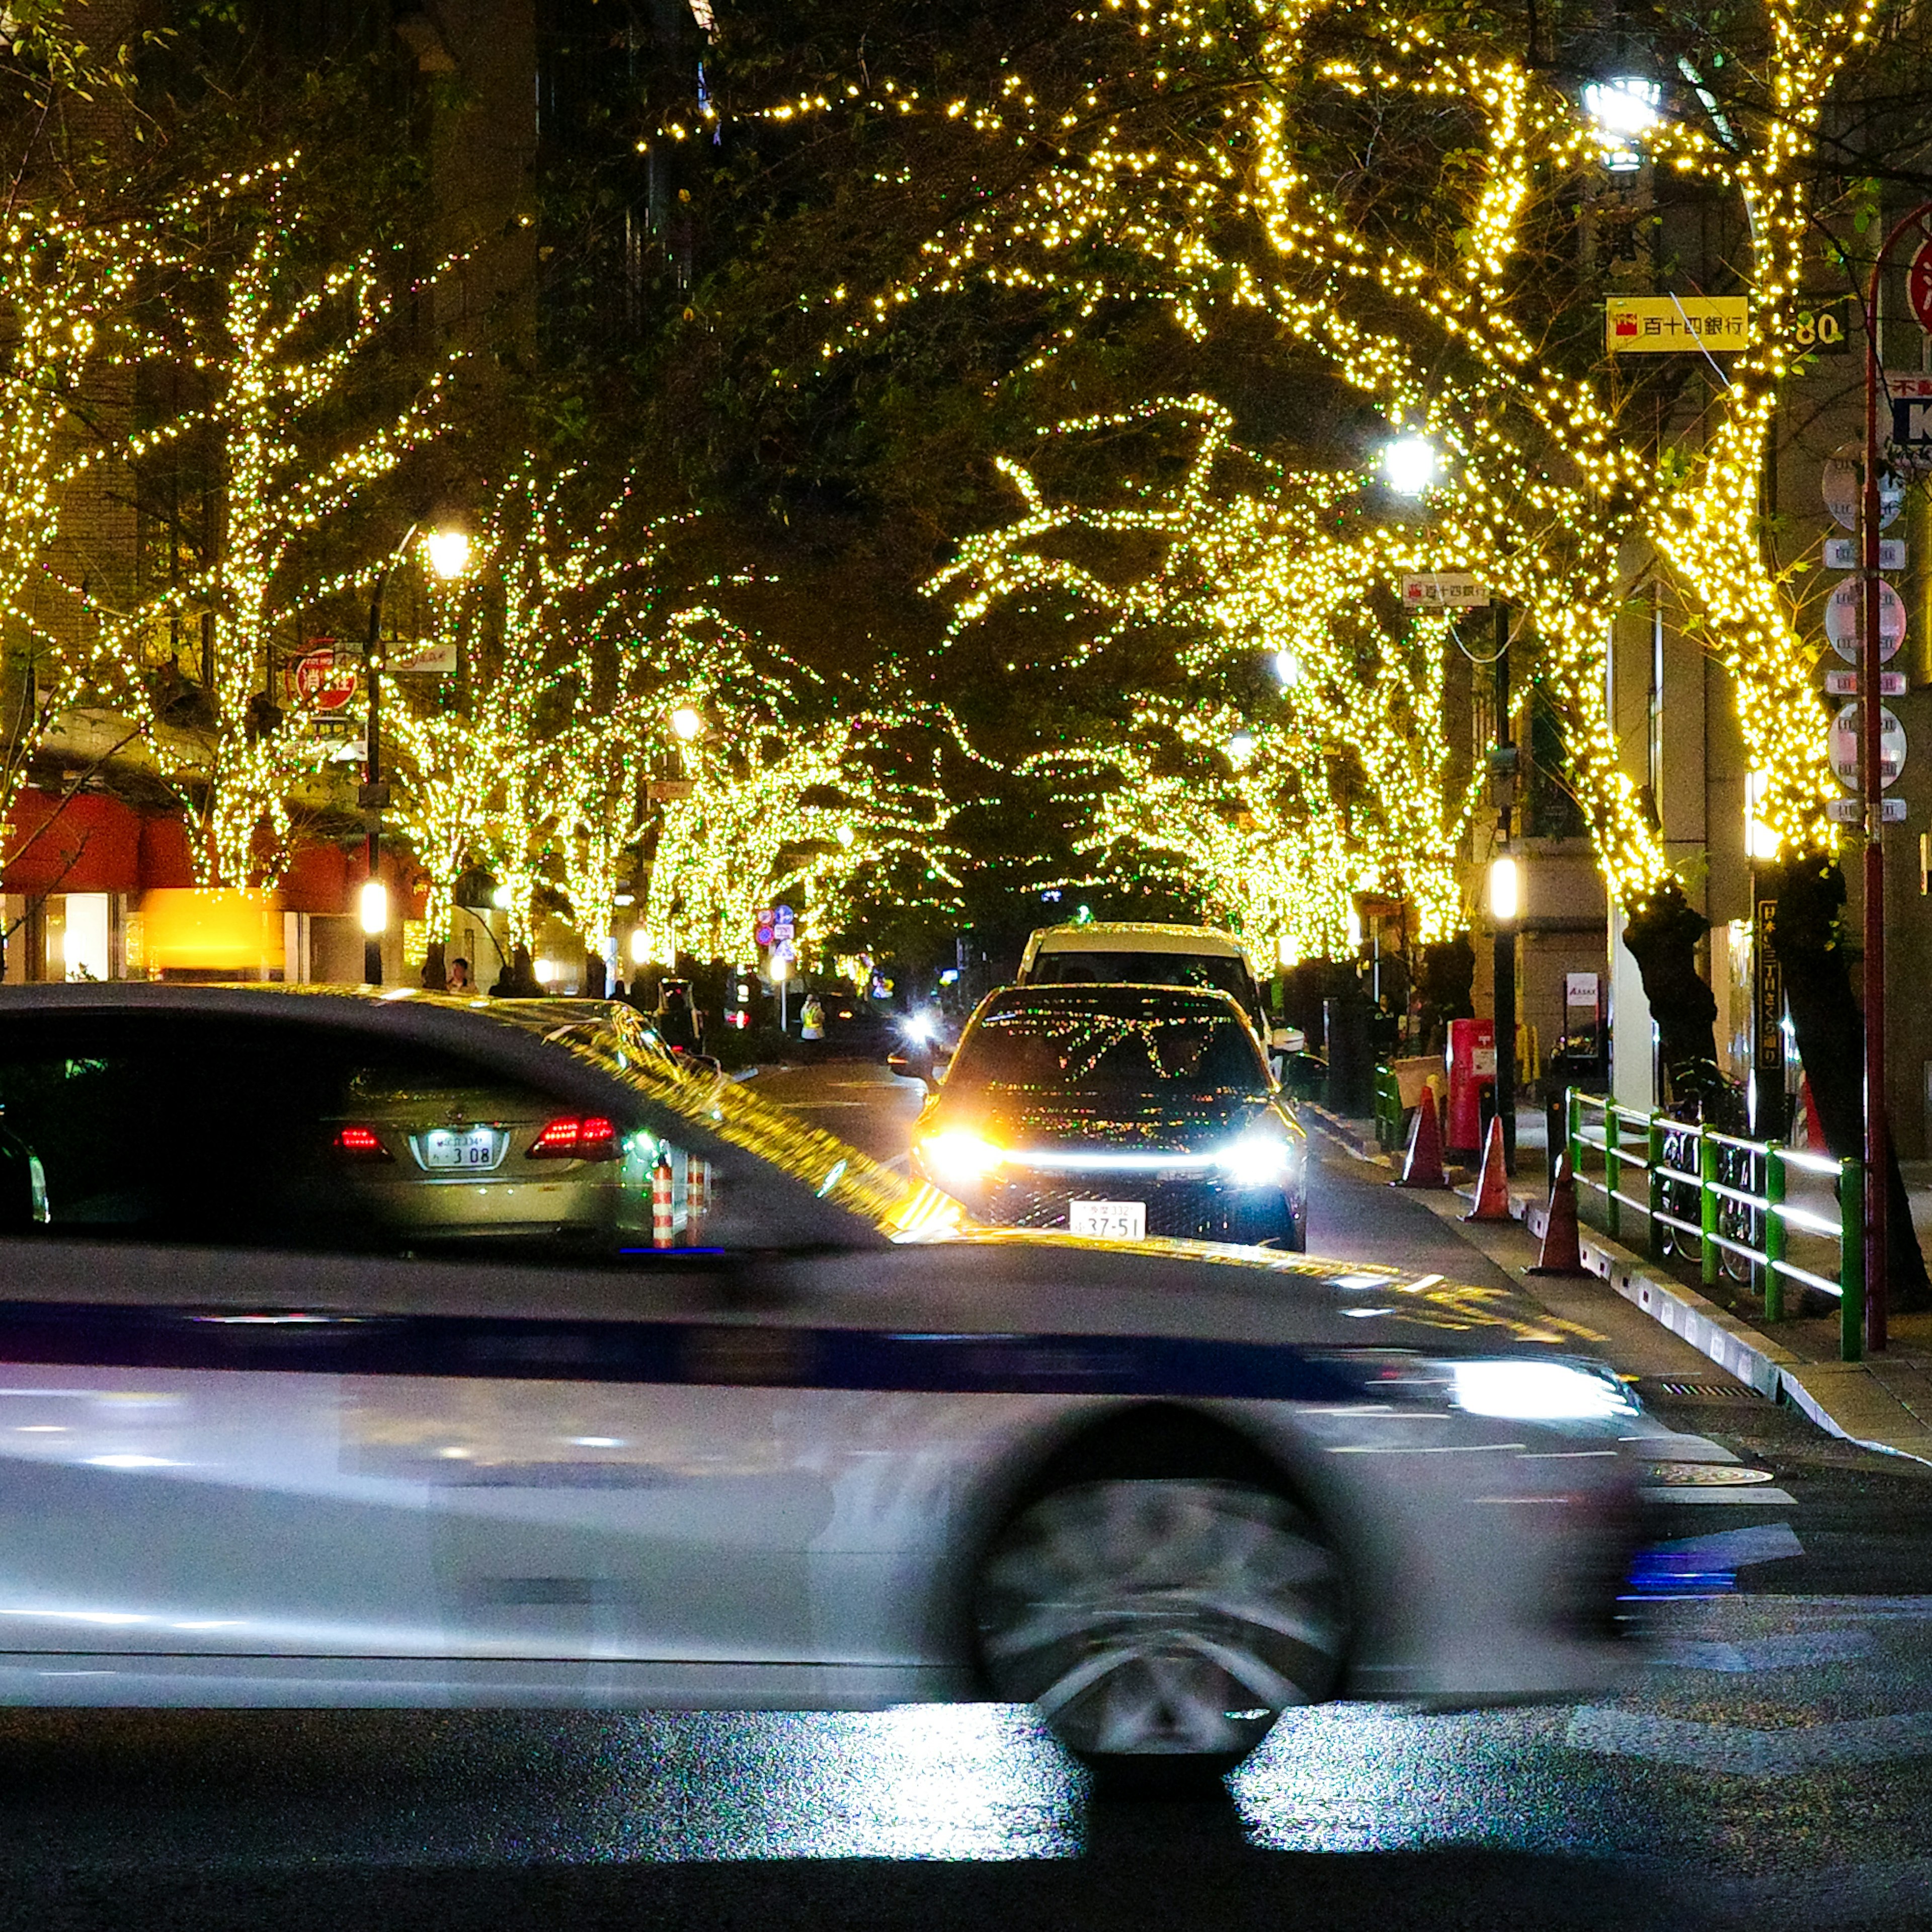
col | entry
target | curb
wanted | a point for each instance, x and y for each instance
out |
(1817, 1389)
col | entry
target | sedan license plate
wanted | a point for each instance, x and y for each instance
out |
(1111, 1220)
(465, 1149)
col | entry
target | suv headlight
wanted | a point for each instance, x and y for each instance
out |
(1258, 1160)
(955, 1155)
(1537, 1391)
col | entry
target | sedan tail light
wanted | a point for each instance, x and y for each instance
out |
(357, 1143)
(588, 1137)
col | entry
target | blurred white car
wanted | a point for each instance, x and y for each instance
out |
(835, 1447)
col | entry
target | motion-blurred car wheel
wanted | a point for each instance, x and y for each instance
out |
(1160, 1627)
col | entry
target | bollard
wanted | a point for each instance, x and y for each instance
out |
(661, 1229)
(1653, 1192)
(1774, 1233)
(1708, 1251)
(1613, 1171)
(696, 1194)
(1852, 1284)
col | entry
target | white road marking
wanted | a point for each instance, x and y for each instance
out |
(1736, 1549)
(1762, 1492)
(1750, 1753)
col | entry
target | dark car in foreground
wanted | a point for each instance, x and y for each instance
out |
(1120, 1112)
(270, 1436)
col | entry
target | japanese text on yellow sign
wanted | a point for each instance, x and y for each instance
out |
(1660, 325)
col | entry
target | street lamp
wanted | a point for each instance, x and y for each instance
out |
(1411, 465)
(1625, 109)
(687, 722)
(1505, 889)
(447, 549)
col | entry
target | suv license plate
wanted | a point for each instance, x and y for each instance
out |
(468, 1149)
(1111, 1220)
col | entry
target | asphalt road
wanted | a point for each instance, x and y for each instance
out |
(1767, 1766)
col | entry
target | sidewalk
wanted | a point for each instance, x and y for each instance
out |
(1884, 1404)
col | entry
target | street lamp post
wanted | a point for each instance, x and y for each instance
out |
(1871, 712)
(448, 551)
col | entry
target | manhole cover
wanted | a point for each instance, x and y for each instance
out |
(1705, 1475)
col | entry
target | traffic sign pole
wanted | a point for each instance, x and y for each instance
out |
(1877, 1139)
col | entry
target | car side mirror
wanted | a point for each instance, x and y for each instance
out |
(934, 1070)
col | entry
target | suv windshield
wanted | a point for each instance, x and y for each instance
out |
(1219, 973)
(1115, 1039)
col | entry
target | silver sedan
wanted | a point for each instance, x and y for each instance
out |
(828, 1445)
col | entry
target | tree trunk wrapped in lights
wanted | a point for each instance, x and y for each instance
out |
(272, 334)
(486, 756)
(63, 280)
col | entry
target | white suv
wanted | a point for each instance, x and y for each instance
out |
(1127, 952)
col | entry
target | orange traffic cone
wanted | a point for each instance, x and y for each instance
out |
(1492, 1202)
(1562, 1250)
(1423, 1166)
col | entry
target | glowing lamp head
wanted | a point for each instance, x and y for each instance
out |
(543, 971)
(1411, 465)
(845, 837)
(1505, 888)
(640, 947)
(687, 721)
(447, 552)
(372, 904)
(781, 971)
(957, 1156)
(1623, 109)
(1241, 749)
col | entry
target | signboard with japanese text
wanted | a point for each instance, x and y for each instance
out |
(406, 659)
(1664, 324)
(322, 679)
(1444, 590)
(1911, 418)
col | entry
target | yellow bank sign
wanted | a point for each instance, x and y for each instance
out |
(1662, 324)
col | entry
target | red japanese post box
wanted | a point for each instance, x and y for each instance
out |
(1472, 1072)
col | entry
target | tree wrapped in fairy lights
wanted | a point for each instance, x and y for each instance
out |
(557, 632)
(271, 339)
(1302, 758)
(1398, 195)
(805, 792)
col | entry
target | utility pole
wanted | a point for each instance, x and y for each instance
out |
(1871, 788)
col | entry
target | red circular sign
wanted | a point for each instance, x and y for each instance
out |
(1919, 285)
(324, 681)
